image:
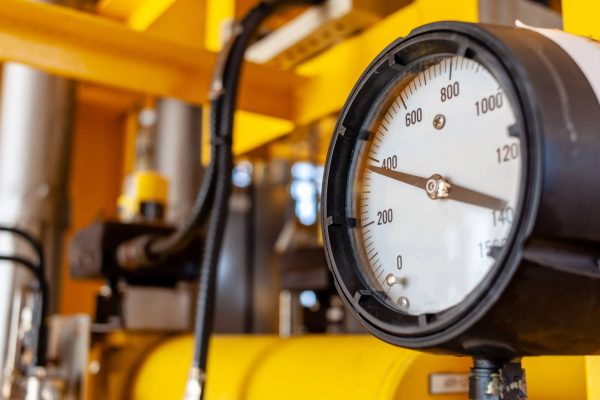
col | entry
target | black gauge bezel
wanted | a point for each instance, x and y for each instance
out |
(436, 40)
(372, 121)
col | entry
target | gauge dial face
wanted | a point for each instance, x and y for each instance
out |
(435, 186)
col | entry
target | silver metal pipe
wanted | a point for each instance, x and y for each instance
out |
(35, 144)
(178, 155)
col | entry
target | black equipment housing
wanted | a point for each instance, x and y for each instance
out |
(543, 295)
(93, 254)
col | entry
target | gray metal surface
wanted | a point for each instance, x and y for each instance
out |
(178, 154)
(249, 281)
(506, 12)
(319, 28)
(158, 309)
(272, 204)
(69, 344)
(234, 277)
(35, 145)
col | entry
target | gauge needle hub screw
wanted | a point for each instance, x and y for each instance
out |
(439, 121)
(437, 187)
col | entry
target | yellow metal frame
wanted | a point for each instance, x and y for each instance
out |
(94, 49)
(138, 14)
(335, 72)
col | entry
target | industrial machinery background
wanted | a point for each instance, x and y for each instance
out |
(459, 199)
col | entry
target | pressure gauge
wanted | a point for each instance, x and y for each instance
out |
(461, 192)
(446, 119)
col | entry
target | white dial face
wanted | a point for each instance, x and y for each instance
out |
(436, 186)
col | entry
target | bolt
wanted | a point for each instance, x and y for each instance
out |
(439, 121)
(391, 279)
(85, 261)
(94, 367)
(105, 291)
(437, 187)
(403, 302)
(432, 186)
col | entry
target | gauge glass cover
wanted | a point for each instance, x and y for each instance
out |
(434, 185)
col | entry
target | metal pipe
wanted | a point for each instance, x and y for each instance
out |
(35, 146)
(178, 155)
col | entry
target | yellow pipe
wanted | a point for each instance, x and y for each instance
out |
(331, 367)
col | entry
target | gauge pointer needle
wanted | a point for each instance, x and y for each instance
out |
(413, 180)
(450, 191)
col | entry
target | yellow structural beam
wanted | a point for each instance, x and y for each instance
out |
(217, 13)
(91, 48)
(251, 131)
(335, 72)
(139, 14)
(581, 17)
(183, 22)
(254, 130)
(111, 54)
(114, 100)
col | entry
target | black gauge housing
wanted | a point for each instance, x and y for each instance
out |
(543, 295)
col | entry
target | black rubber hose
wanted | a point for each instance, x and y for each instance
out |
(27, 264)
(161, 248)
(29, 238)
(146, 251)
(223, 112)
(223, 108)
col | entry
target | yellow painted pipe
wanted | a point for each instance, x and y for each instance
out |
(331, 367)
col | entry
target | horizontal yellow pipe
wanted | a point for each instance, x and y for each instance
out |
(332, 367)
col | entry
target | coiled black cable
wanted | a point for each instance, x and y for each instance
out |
(39, 272)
